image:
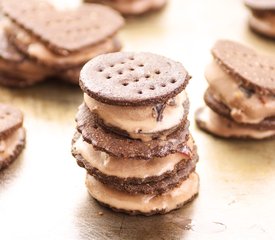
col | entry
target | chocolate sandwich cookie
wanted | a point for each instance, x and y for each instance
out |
(137, 94)
(16, 70)
(262, 18)
(62, 39)
(145, 204)
(241, 89)
(135, 175)
(12, 134)
(133, 7)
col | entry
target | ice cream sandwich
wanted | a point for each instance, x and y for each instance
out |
(262, 18)
(241, 95)
(62, 40)
(12, 134)
(133, 138)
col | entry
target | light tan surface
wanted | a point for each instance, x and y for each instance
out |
(43, 194)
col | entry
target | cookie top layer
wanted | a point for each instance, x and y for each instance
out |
(67, 30)
(120, 146)
(254, 70)
(133, 79)
(260, 4)
(11, 119)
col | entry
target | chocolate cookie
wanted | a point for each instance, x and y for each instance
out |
(223, 110)
(144, 204)
(133, 79)
(67, 30)
(220, 126)
(260, 4)
(114, 144)
(253, 70)
(12, 134)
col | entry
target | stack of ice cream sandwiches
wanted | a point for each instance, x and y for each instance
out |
(39, 40)
(241, 95)
(133, 136)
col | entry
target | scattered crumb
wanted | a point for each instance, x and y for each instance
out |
(100, 213)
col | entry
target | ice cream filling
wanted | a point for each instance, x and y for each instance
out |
(246, 106)
(167, 201)
(224, 127)
(142, 120)
(130, 168)
(135, 6)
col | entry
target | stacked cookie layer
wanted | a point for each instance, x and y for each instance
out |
(241, 93)
(39, 40)
(133, 7)
(12, 134)
(133, 136)
(262, 19)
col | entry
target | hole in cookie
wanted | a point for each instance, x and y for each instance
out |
(261, 65)
(131, 58)
(173, 80)
(136, 80)
(147, 76)
(112, 65)
(271, 68)
(139, 92)
(120, 72)
(163, 85)
(95, 127)
(245, 55)
(8, 113)
(157, 72)
(108, 77)
(100, 70)
(272, 79)
(152, 88)
(122, 62)
(125, 84)
(131, 69)
(141, 65)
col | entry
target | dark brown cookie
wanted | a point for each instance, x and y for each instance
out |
(11, 147)
(260, 4)
(119, 146)
(149, 185)
(222, 109)
(133, 79)
(220, 126)
(255, 71)
(64, 31)
(11, 119)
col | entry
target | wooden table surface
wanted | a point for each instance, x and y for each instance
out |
(43, 196)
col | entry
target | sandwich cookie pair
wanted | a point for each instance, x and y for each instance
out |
(133, 7)
(12, 134)
(262, 18)
(133, 136)
(55, 42)
(241, 95)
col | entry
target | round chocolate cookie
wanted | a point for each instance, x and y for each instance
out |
(255, 71)
(220, 126)
(120, 146)
(133, 79)
(223, 110)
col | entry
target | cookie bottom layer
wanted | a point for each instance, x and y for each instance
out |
(218, 125)
(141, 203)
(262, 26)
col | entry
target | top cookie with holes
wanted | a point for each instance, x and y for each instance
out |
(133, 79)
